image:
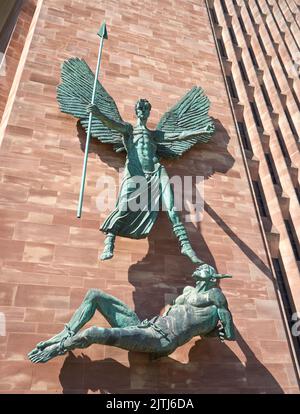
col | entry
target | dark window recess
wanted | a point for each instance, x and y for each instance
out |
(250, 13)
(222, 48)
(224, 7)
(232, 88)
(258, 6)
(296, 99)
(261, 43)
(266, 96)
(253, 58)
(9, 12)
(297, 191)
(243, 71)
(275, 79)
(291, 123)
(244, 136)
(232, 35)
(282, 65)
(242, 25)
(293, 238)
(269, 33)
(289, 306)
(283, 147)
(256, 115)
(272, 170)
(260, 199)
(214, 16)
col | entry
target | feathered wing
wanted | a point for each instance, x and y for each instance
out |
(190, 113)
(74, 94)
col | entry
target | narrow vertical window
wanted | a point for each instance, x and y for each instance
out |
(266, 97)
(222, 48)
(253, 58)
(260, 198)
(232, 88)
(244, 136)
(224, 7)
(232, 35)
(9, 12)
(243, 71)
(256, 115)
(272, 170)
(293, 238)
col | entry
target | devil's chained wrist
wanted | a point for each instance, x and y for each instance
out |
(70, 333)
(61, 347)
(69, 330)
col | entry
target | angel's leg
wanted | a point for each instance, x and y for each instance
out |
(178, 227)
(109, 245)
(115, 312)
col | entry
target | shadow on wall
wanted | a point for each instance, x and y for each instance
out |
(160, 273)
(158, 278)
(212, 368)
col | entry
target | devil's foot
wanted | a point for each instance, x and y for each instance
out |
(42, 356)
(189, 252)
(54, 340)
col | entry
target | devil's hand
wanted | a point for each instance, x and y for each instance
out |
(221, 333)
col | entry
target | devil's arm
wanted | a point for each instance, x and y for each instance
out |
(224, 314)
(227, 322)
(123, 128)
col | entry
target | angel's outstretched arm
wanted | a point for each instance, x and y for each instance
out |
(185, 135)
(108, 122)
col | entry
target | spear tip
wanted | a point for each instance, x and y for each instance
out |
(103, 31)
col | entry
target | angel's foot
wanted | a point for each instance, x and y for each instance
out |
(189, 252)
(107, 253)
(46, 354)
(109, 245)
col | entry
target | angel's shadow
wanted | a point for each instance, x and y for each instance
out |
(160, 273)
(211, 368)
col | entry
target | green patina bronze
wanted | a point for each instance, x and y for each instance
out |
(200, 310)
(184, 125)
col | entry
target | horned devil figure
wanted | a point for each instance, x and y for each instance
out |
(200, 310)
(186, 124)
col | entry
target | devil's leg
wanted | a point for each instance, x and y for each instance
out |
(132, 339)
(117, 313)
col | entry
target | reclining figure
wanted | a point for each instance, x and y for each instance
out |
(200, 310)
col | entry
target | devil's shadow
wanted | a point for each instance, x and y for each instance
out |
(211, 368)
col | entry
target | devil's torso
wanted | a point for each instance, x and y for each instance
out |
(193, 313)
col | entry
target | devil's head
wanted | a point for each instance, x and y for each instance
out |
(207, 275)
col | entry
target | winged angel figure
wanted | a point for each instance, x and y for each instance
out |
(183, 126)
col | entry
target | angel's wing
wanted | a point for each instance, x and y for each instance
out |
(74, 94)
(190, 113)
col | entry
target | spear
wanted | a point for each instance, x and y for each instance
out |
(102, 33)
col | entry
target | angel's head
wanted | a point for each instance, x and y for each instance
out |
(142, 109)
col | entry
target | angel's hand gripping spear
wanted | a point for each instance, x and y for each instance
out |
(183, 126)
